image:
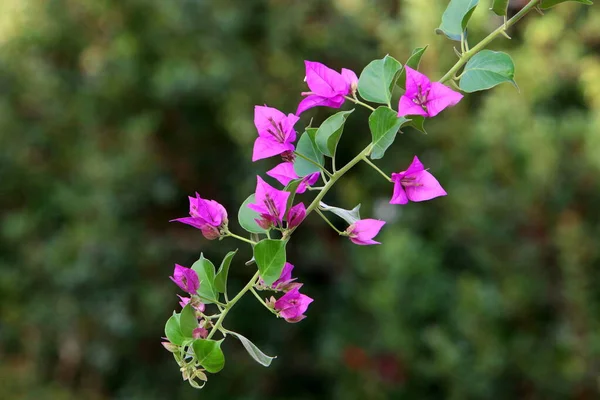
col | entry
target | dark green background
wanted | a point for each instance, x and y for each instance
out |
(113, 111)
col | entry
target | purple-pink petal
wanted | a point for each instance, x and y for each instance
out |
(427, 188)
(441, 97)
(286, 275)
(350, 78)
(314, 100)
(186, 279)
(293, 305)
(266, 147)
(363, 231)
(416, 83)
(406, 106)
(324, 81)
(296, 215)
(209, 210)
(269, 200)
(415, 166)
(399, 196)
(284, 173)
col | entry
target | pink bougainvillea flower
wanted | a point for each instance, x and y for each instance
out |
(197, 304)
(328, 87)
(186, 279)
(270, 203)
(296, 215)
(285, 282)
(424, 97)
(292, 305)
(285, 173)
(363, 231)
(415, 184)
(276, 133)
(200, 333)
(206, 215)
(351, 79)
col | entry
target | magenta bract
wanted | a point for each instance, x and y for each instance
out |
(415, 184)
(363, 231)
(424, 97)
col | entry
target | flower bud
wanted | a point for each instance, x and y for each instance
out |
(173, 348)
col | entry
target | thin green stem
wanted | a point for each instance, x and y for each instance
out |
(322, 168)
(466, 56)
(357, 101)
(328, 221)
(315, 187)
(243, 239)
(335, 177)
(387, 178)
(253, 291)
(211, 300)
(230, 305)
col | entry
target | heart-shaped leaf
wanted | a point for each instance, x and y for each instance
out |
(188, 321)
(545, 4)
(413, 61)
(206, 273)
(487, 69)
(456, 17)
(221, 277)
(246, 217)
(173, 331)
(307, 147)
(417, 122)
(209, 354)
(378, 79)
(500, 7)
(270, 258)
(329, 133)
(384, 124)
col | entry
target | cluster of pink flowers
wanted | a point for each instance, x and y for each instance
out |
(276, 137)
(188, 281)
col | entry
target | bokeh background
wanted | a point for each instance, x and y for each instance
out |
(113, 111)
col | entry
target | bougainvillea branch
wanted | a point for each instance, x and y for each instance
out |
(272, 213)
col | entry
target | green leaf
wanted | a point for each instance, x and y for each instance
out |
(500, 7)
(487, 69)
(188, 321)
(221, 277)
(270, 257)
(173, 331)
(206, 272)
(329, 133)
(413, 61)
(292, 187)
(384, 124)
(209, 354)
(246, 217)
(350, 216)
(378, 79)
(254, 351)
(456, 17)
(418, 122)
(545, 4)
(308, 148)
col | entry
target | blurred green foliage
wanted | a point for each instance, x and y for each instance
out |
(112, 111)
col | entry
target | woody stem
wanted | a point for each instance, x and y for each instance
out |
(466, 56)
